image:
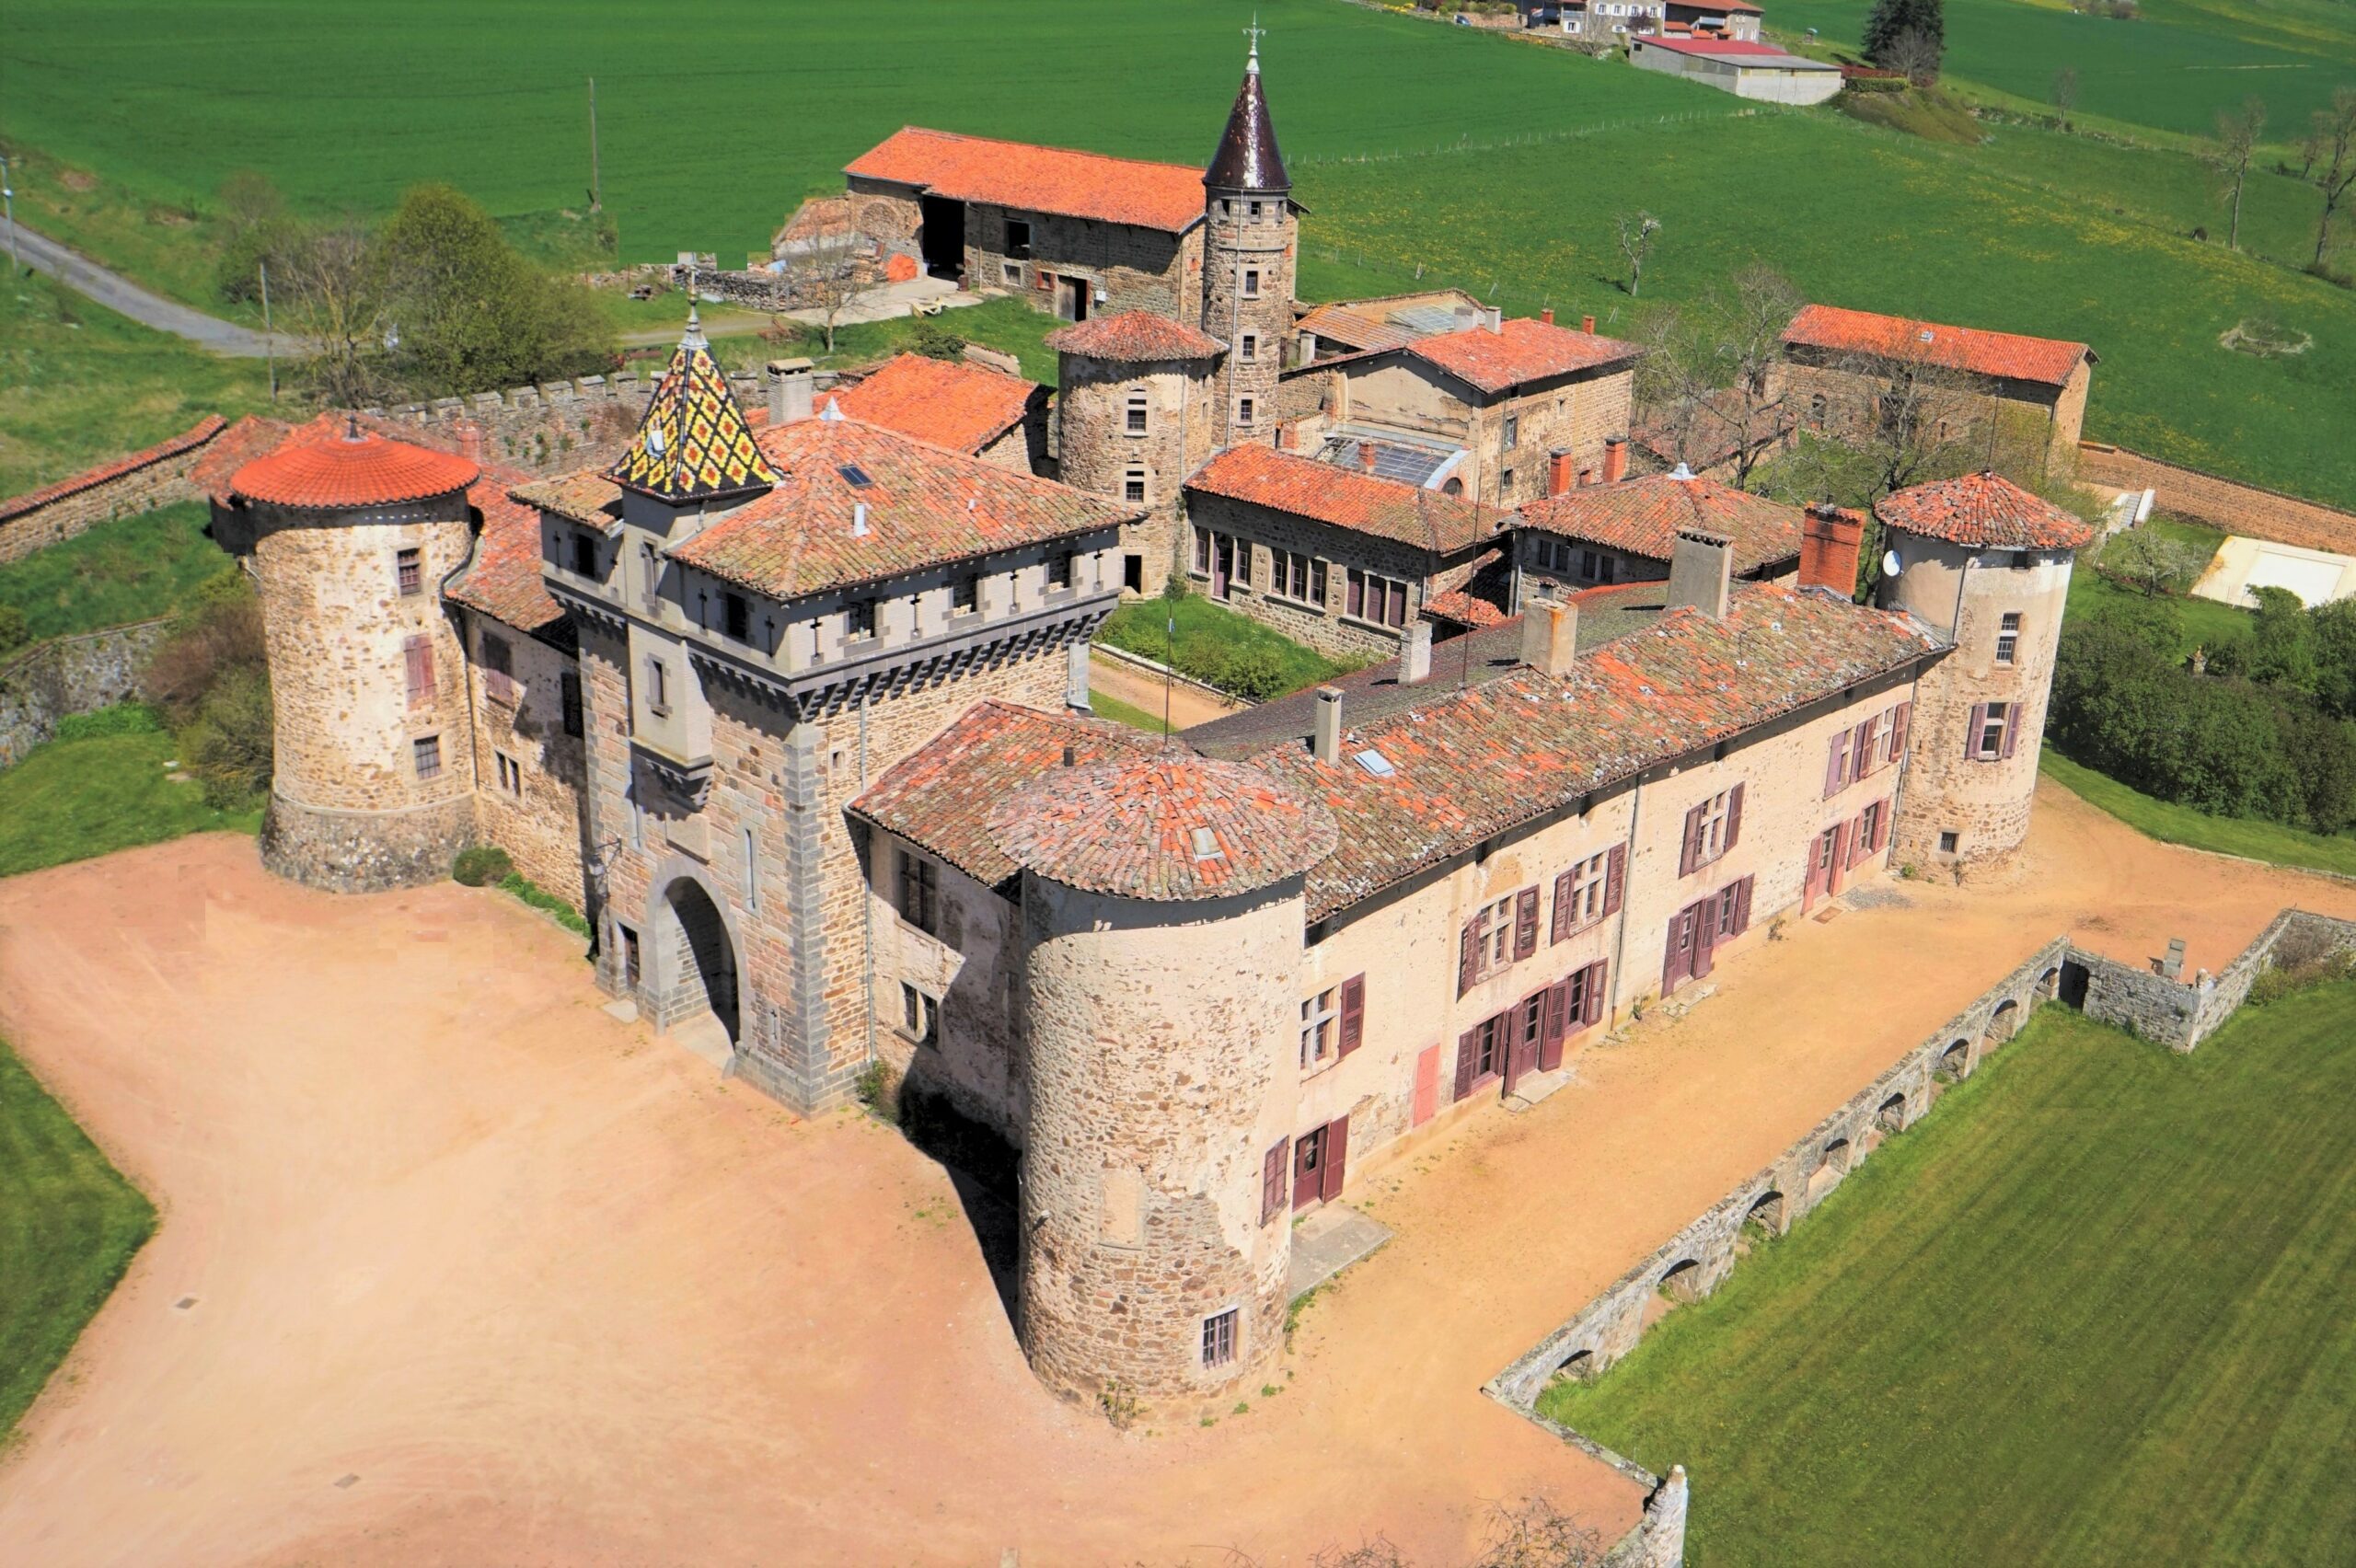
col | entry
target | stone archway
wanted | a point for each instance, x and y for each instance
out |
(694, 980)
(2004, 1023)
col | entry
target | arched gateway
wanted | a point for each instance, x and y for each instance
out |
(692, 977)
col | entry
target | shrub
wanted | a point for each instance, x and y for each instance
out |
(227, 746)
(2148, 562)
(123, 719)
(2288, 979)
(479, 865)
(879, 1089)
(13, 632)
(934, 341)
(517, 886)
(1253, 673)
(219, 633)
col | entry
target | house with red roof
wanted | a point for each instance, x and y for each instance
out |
(972, 409)
(1744, 67)
(1606, 20)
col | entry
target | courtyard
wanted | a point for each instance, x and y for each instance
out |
(453, 1267)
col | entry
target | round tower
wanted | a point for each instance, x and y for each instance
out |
(372, 782)
(1987, 564)
(1136, 412)
(1162, 920)
(1249, 249)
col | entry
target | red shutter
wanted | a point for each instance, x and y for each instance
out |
(418, 651)
(1671, 971)
(1691, 852)
(1307, 1182)
(1898, 717)
(1836, 765)
(1742, 906)
(1561, 908)
(2012, 727)
(1733, 818)
(1971, 735)
(1353, 1014)
(1338, 1157)
(1468, 956)
(1596, 974)
(1861, 750)
(1272, 1182)
(1525, 923)
(1705, 934)
(1558, 1019)
(1464, 1058)
(1615, 878)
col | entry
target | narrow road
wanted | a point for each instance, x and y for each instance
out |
(1143, 689)
(876, 305)
(117, 293)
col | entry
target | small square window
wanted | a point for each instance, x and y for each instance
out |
(1218, 1338)
(1059, 570)
(859, 620)
(965, 595)
(409, 571)
(425, 751)
(1011, 271)
(1133, 485)
(1947, 843)
(1250, 342)
(1251, 282)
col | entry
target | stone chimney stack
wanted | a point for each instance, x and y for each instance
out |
(1587, 325)
(1558, 472)
(1415, 662)
(790, 384)
(1326, 741)
(1830, 538)
(1701, 572)
(1549, 634)
(470, 441)
(1615, 459)
(1496, 319)
(1547, 316)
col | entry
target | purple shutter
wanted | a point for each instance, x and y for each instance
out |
(1562, 927)
(1465, 1051)
(1897, 719)
(1468, 956)
(1705, 934)
(1525, 923)
(1558, 1021)
(1593, 1011)
(1337, 1157)
(1742, 906)
(1615, 878)
(1691, 853)
(2012, 725)
(1353, 1015)
(1733, 818)
(1971, 736)
(1272, 1182)
(1836, 765)
(1861, 751)
(1671, 970)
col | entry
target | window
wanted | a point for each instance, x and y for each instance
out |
(736, 616)
(1218, 1338)
(1711, 829)
(1597, 566)
(1243, 414)
(409, 571)
(1133, 572)
(511, 774)
(498, 658)
(1295, 576)
(1251, 282)
(1584, 994)
(1729, 910)
(1499, 934)
(1011, 271)
(1059, 570)
(2008, 638)
(650, 577)
(1018, 238)
(1505, 482)
(1254, 210)
(1947, 843)
(920, 1015)
(919, 892)
(426, 753)
(1992, 732)
(859, 620)
(1133, 485)
(1250, 347)
(417, 658)
(585, 556)
(1867, 837)
(965, 594)
(569, 704)
(1202, 549)
(1382, 600)
(1320, 1020)
(1586, 893)
(1481, 1053)
(1135, 423)
(1513, 432)
(658, 686)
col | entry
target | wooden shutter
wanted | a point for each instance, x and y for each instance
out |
(1671, 971)
(1465, 1050)
(1525, 923)
(1691, 852)
(1337, 1157)
(2012, 727)
(1468, 956)
(1733, 818)
(1971, 735)
(1742, 906)
(1705, 934)
(1898, 719)
(1881, 824)
(1857, 837)
(1836, 765)
(1272, 1182)
(1558, 1021)
(1615, 878)
(1561, 908)
(418, 652)
(1353, 1014)
(1307, 1180)
(1596, 974)
(1861, 750)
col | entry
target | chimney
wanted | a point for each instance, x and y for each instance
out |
(1830, 538)
(1416, 664)
(1558, 472)
(470, 441)
(1549, 634)
(1547, 316)
(1467, 318)
(1326, 741)
(1700, 572)
(790, 388)
(1366, 456)
(1496, 319)
(1287, 437)
(1615, 459)
(1587, 325)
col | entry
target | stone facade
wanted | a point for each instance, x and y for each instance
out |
(1249, 258)
(124, 488)
(1098, 452)
(42, 683)
(528, 764)
(2016, 426)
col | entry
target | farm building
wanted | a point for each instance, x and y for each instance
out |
(1674, 19)
(1746, 69)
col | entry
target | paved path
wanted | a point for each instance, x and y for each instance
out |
(119, 293)
(876, 305)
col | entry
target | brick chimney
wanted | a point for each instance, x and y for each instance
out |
(790, 382)
(1415, 661)
(470, 441)
(1558, 472)
(1615, 459)
(1549, 634)
(1326, 740)
(1829, 536)
(1547, 316)
(1587, 325)
(1700, 571)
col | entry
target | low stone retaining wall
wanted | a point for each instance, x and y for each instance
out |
(1159, 671)
(2180, 1014)
(68, 675)
(124, 488)
(2249, 510)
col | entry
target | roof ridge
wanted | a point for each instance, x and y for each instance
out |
(1045, 147)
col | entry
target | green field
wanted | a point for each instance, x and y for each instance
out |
(75, 798)
(2099, 1307)
(132, 569)
(69, 1224)
(2172, 824)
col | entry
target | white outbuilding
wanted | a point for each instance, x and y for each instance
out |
(1745, 69)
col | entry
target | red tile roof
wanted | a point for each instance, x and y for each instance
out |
(1463, 608)
(2007, 355)
(1521, 351)
(1168, 197)
(1283, 481)
(962, 406)
(1134, 337)
(232, 450)
(504, 580)
(203, 430)
(1984, 509)
(332, 463)
(1168, 826)
(1740, 50)
(1642, 516)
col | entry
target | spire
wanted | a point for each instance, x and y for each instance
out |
(1247, 158)
(693, 445)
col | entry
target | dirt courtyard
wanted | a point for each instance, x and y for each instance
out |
(474, 1274)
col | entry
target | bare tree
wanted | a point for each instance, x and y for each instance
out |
(336, 305)
(1901, 414)
(2330, 144)
(1708, 383)
(1913, 53)
(1637, 241)
(2065, 93)
(2238, 132)
(825, 274)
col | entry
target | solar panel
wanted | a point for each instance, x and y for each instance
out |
(1426, 320)
(855, 474)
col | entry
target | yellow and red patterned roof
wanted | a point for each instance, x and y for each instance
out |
(694, 443)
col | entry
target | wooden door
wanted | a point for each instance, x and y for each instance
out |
(1678, 965)
(1223, 563)
(1337, 1155)
(1836, 872)
(1308, 1169)
(1427, 1102)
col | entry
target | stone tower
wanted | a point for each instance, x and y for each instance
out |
(1250, 249)
(1136, 412)
(1987, 564)
(373, 782)
(1162, 919)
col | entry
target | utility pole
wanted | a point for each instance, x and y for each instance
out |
(595, 198)
(269, 338)
(8, 200)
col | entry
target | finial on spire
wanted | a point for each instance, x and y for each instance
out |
(351, 427)
(1251, 63)
(693, 338)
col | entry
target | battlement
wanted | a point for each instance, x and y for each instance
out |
(552, 428)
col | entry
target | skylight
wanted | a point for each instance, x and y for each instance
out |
(1374, 761)
(855, 474)
(1207, 846)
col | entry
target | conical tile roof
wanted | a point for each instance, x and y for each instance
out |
(1247, 158)
(694, 443)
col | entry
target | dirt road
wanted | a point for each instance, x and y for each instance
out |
(1142, 688)
(552, 1293)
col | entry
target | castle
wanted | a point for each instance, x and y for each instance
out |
(793, 699)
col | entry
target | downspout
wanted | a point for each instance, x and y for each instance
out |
(1627, 875)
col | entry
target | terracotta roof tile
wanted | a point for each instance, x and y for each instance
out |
(1984, 509)
(504, 579)
(2007, 355)
(203, 430)
(1463, 608)
(235, 447)
(1521, 350)
(332, 462)
(1284, 482)
(1641, 517)
(1167, 825)
(962, 406)
(1168, 197)
(1134, 337)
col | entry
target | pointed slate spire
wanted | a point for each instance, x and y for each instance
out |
(1247, 158)
(693, 445)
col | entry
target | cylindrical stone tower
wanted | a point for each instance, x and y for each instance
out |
(1249, 250)
(1136, 412)
(1987, 564)
(372, 785)
(1162, 919)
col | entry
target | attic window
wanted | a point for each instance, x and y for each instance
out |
(1374, 761)
(1925, 336)
(855, 474)
(1207, 846)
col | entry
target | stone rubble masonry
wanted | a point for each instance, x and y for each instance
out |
(2181, 1013)
(554, 428)
(539, 823)
(2247, 509)
(1234, 243)
(1326, 627)
(42, 683)
(2036, 425)
(1096, 452)
(123, 488)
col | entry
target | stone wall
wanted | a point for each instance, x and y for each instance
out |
(364, 851)
(528, 770)
(1241, 249)
(2248, 510)
(553, 428)
(1327, 626)
(124, 488)
(2179, 1013)
(44, 682)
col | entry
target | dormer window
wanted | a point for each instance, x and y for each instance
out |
(1254, 212)
(736, 616)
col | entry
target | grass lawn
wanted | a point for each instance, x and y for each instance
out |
(1008, 324)
(69, 1224)
(1210, 638)
(2099, 1307)
(130, 570)
(2202, 623)
(2172, 824)
(73, 799)
(1127, 713)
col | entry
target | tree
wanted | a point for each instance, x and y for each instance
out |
(333, 302)
(261, 232)
(2065, 93)
(1912, 415)
(825, 274)
(1914, 53)
(2330, 148)
(2149, 563)
(1708, 380)
(1636, 241)
(2238, 132)
(1917, 28)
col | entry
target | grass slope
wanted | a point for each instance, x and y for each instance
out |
(2100, 1308)
(130, 570)
(69, 1224)
(72, 798)
(2172, 824)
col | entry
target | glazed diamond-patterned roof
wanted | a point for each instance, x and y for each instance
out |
(1134, 337)
(1521, 350)
(693, 443)
(1168, 826)
(2006, 355)
(962, 406)
(1984, 509)
(1641, 517)
(1283, 481)
(1168, 197)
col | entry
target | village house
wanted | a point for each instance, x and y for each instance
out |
(1629, 531)
(1359, 326)
(1745, 69)
(966, 408)
(1605, 19)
